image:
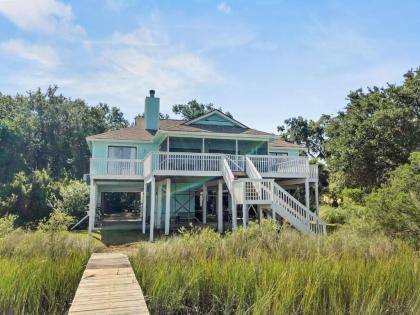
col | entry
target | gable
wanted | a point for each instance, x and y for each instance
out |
(215, 118)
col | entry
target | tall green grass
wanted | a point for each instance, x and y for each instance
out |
(40, 272)
(261, 270)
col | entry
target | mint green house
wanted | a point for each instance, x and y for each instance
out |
(212, 170)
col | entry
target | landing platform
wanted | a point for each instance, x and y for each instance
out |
(108, 286)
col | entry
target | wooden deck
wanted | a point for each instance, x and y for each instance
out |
(108, 286)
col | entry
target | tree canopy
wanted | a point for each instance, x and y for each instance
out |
(306, 132)
(375, 133)
(193, 109)
(47, 131)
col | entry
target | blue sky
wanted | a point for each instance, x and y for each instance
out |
(263, 61)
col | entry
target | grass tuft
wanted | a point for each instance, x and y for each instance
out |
(261, 270)
(40, 272)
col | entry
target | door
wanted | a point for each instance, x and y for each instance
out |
(122, 160)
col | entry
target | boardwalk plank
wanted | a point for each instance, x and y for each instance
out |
(108, 286)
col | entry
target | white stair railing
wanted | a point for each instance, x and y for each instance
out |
(282, 202)
(228, 175)
(295, 212)
(251, 170)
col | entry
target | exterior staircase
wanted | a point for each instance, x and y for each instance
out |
(265, 192)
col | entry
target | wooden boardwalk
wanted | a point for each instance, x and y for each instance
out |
(108, 286)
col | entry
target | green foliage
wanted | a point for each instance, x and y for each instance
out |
(395, 206)
(34, 197)
(375, 134)
(40, 274)
(309, 133)
(7, 224)
(193, 109)
(58, 221)
(48, 131)
(334, 215)
(261, 270)
(73, 198)
(28, 196)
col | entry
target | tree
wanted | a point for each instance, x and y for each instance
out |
(28, 196)
(375, 134)
(193, 109)
(306, 132)
(395, 206)
(48, 131)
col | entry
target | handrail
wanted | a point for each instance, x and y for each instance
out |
(295, 208)
(84, 218)
(313, 171)
(228, 175)
(251, 170)
(267, 164)
(182, 162)
(116, 167)
(236, 162)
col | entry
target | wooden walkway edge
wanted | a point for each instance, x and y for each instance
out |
(108, 286)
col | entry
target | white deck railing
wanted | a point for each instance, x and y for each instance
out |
(236, 162)
(313, 172)
(116, 167)
(278, 166)
(204, 164)
(174, 163)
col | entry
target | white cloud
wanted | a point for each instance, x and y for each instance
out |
(121, 69)
(40, 54)
(46, 16)
(141, 37)
(224, 7)
(118, 5)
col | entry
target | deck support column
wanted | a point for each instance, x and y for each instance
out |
(234, 213)
(260, 212)
(167, 205)
(307, 193)
(316, 198)
(159, 206)
(220, 207)
(244, 214)
(152, 208)
(144, 207)
(204, 219)
(92, 205)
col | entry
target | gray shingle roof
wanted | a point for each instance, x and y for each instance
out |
(140, 134)
(281, 143)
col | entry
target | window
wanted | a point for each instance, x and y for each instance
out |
(122, 152)
(279, 153)
(117, 167)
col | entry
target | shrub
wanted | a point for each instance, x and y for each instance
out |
(395, 207)
(58, 221)
(28, 196)
(334, 215)
(7, 224)
(73, 198)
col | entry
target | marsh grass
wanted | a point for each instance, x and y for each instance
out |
(262, 270)
(40, 272)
